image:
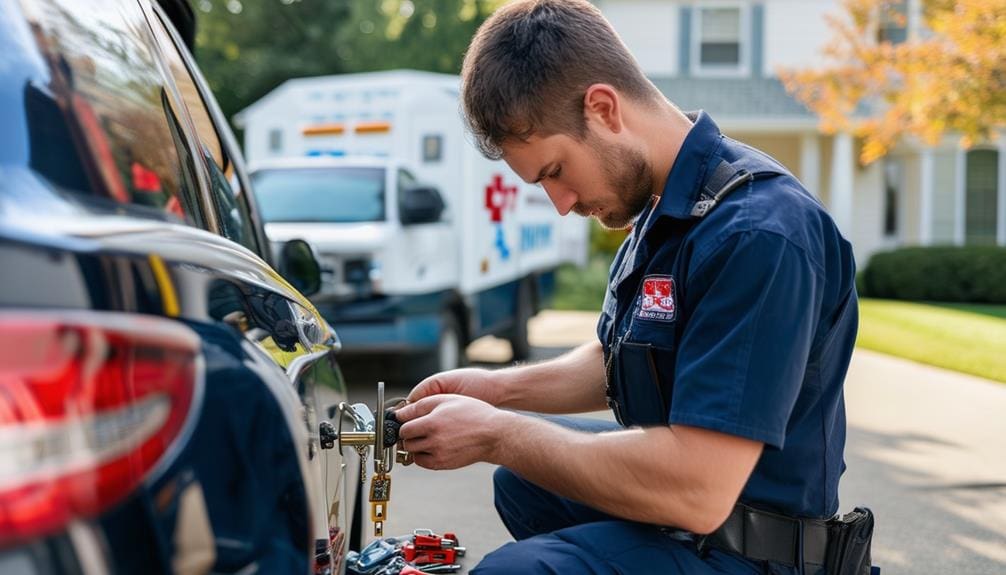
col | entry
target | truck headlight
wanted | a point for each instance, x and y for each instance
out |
(363, 274)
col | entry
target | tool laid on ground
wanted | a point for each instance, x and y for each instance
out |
(427, 547)
(381, 434)
(421, 552)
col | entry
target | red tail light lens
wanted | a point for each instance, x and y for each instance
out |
(89, 404)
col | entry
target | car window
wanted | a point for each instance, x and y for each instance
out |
(229, 197)
(102, 127)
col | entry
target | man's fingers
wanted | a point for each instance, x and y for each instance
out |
(418, 445)
(424, 460)
(423, 389)
(432, 385)
(420, 408)
(432, 462)
(414, 429)
(413, 416)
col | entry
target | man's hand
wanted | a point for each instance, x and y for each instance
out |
(478, 383)
(449, 431)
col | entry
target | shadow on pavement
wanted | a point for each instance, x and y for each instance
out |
(924, 523)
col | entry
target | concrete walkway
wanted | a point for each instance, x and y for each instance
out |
(926, 451)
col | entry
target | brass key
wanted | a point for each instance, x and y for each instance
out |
(380, 494)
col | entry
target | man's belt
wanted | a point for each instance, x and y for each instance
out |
(765, 536)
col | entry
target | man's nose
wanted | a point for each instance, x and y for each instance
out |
(562, 197)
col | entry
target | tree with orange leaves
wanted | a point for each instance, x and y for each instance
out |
(949, 78)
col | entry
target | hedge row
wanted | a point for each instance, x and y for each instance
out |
(971, 274)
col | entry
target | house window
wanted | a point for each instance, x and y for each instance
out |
(981, 197)
(893, 184)
(893, 26)
(721, 38)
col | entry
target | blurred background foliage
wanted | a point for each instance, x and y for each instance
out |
(583, 288)
(248, 47)
(949, 78)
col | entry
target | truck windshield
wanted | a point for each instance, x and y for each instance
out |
(338, 195)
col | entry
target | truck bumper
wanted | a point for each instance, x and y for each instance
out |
(387, 324)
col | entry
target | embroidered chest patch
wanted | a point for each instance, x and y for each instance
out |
(657, 298)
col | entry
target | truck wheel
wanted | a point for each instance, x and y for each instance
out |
(450, 347)
(449, 353)
(518, 333)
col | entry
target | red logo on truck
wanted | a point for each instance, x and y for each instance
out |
(499, 197)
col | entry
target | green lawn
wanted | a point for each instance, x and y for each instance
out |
(969, 339)
(980, 308)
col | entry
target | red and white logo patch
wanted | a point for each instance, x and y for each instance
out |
(657, 298)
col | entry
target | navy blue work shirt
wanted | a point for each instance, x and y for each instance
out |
(740, 319)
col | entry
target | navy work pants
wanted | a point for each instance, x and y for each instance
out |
(556, 535)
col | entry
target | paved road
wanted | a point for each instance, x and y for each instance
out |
(926, 450)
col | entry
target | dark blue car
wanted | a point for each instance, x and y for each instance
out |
(161, 385)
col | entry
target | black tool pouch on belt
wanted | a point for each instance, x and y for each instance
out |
(849, 539)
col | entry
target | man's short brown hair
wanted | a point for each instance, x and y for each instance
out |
(530, 64)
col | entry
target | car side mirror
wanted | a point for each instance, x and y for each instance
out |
(300, 267)
(420, 205)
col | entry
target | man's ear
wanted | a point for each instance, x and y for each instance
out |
(602, 105)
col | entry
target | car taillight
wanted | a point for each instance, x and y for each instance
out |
(89, 403)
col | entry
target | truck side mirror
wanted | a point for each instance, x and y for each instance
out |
(420, 205)
(298, 266)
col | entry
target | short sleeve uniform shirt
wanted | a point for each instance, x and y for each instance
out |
(739, 318)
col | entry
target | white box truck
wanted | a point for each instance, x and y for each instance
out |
(424, 244)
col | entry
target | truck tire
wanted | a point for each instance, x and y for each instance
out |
(523, 312)
(450, 346)
(449, 353)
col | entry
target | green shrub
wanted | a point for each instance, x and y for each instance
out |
(974, 274)
(604, 242)
(582, 288)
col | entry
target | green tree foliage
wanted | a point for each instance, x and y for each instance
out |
(949, 78)
(427, 35)
(248, 47)
(603, 241)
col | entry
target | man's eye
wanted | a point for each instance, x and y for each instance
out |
(556, 173)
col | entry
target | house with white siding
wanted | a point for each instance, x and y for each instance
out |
(723, 56)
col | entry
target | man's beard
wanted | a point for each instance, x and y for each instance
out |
(627, 173)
